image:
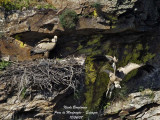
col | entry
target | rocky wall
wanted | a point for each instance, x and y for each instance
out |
(128, 29)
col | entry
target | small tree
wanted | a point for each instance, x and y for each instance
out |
(68, 19)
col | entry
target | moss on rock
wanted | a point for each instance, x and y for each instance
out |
(18, 40)
(135, 56)
(91, 46)
(90, 71)
(96, 80)
(96, 83)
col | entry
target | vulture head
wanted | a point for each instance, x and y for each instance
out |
(54, 40)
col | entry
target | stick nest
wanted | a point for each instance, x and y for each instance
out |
(44, 75)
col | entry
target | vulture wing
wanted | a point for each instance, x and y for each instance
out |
(148, 68)
(110, 58)
(43, 47)
(39, 49)
(129, 67)
(46, 40)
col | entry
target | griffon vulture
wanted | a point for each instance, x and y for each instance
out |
(121, 72)
(44, 46)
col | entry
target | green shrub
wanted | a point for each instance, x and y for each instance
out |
(7, 4)
(14, 4)
(68, 19)
(4, 64)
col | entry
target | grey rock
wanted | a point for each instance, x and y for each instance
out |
(135, 102)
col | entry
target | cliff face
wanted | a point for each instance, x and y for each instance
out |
(128, 29)
(116, 17)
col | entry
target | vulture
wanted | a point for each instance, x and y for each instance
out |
(121, 72)
(44, 46)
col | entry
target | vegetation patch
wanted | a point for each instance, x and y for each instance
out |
(96, 83)
(17, 39)
(96, 5)
(132, 53)
(90, 47)
(45, 6)
(20, 4)
(95, 40)
(95, 14)
(68, 19)
(112, 17)
(90, 71)
(23, 93)
(4, 64)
